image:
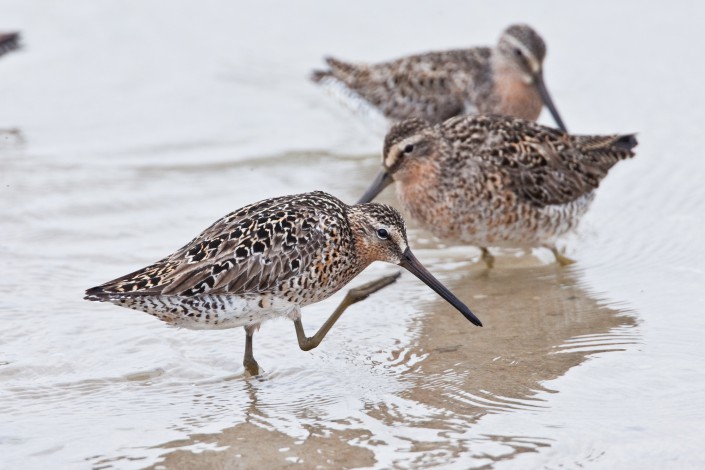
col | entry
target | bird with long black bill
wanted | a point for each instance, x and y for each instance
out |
(505, 79)
(268, 260)
(496, 181)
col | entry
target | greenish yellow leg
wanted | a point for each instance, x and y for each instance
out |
(353, 296)
(487, 257)
(249, 362)
(562, 260)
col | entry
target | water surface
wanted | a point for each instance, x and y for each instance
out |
(140, 124)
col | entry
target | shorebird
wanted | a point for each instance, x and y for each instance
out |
(491, 180)
(268, 260)
(506, 79)
(9, 42)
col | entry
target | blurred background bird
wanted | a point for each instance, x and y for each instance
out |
(9, 42)
(505, 79)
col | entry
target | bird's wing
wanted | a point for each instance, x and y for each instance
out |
(432, 86)
(541, 165)
(250, 250)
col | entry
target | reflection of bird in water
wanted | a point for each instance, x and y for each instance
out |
(495, 180)
(506, 79)
(268, 260)
(9, 42)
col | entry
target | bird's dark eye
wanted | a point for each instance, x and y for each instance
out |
(409, 148)
(518, 52)
(383, 233)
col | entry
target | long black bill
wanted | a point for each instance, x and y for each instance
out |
(382, 180)
(414, 266)
(543, 91)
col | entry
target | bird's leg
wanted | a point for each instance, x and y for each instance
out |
(249, 362)
(562, 260)
(353, 296)
(487, 257)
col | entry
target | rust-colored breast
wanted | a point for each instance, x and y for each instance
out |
(517, 98)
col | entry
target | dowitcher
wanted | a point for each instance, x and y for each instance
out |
(268, 260)
(491, 180)
(506, 79)
(9, 42)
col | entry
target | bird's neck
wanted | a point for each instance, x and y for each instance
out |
(419, 189)
(513, 95)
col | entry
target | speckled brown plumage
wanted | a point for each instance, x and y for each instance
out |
(9, 42)
(267, 260)
(271, 252)
(506, 79)
(496, 181)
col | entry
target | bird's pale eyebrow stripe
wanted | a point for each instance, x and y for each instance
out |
(395, 154)
(519, 45)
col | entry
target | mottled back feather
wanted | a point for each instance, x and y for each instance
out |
(541, 165)
(448, 80)
(251, 250)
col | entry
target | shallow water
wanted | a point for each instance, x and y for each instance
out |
(139, 124)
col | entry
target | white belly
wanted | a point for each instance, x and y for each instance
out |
(212, 311)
